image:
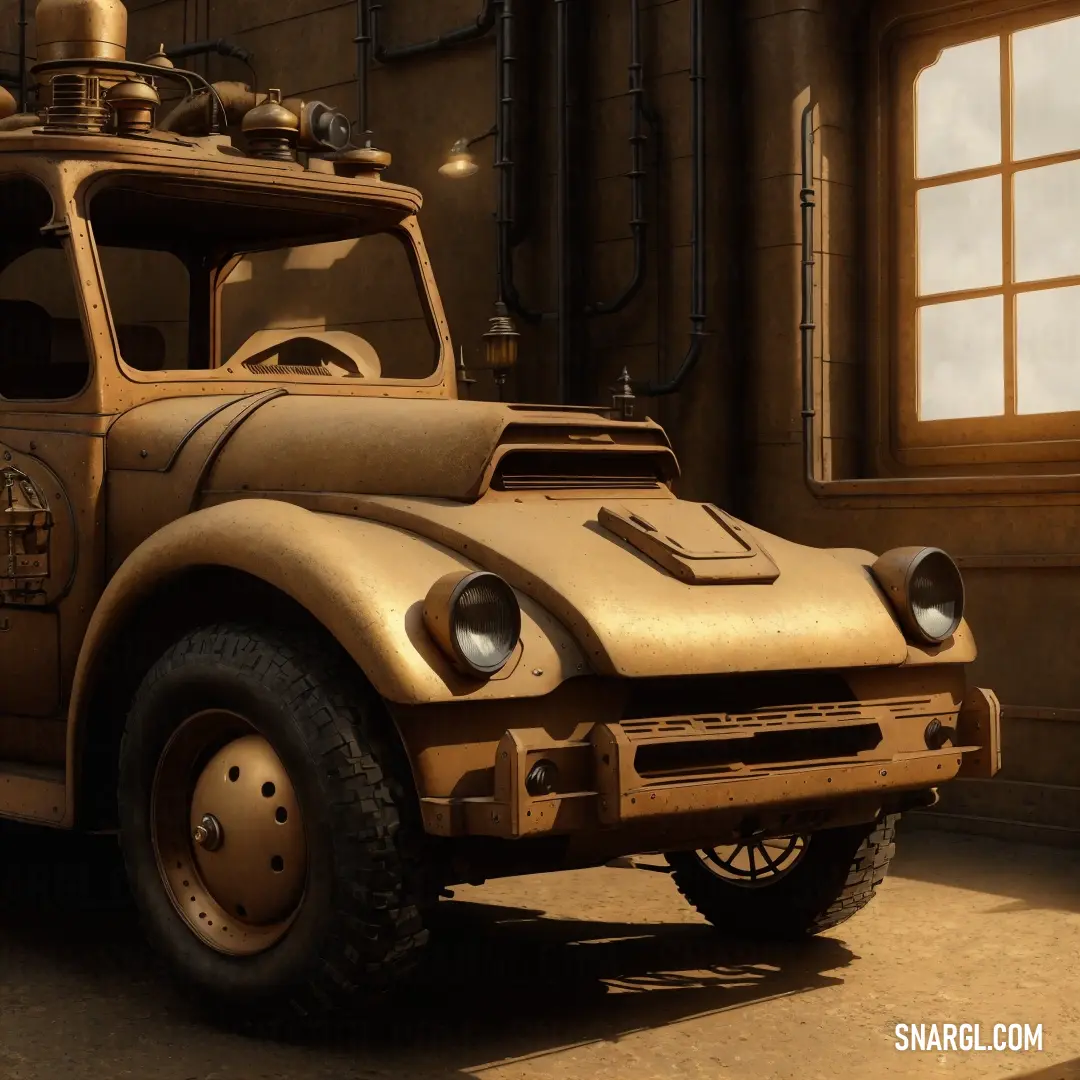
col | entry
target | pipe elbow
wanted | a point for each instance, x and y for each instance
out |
(192, 115)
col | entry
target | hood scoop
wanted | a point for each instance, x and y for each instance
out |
(695, 542)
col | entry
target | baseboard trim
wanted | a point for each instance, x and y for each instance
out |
(997, 828)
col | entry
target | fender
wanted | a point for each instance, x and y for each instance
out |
(364, 581)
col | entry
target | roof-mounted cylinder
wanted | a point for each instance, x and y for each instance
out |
(271, 130)
(81, 29)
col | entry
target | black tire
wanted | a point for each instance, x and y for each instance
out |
(836, 877)
(358, 930)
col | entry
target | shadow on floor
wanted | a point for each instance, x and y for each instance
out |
(1030, 876)
(1067, 1070)
(501, 983)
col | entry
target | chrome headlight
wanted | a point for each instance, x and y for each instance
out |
(926, 590)
(476, 620)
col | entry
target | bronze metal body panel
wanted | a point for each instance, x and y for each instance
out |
(634, 621)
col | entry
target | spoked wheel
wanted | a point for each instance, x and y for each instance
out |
(228, 834)
(755, 864)
(270, 832)
(788, 886)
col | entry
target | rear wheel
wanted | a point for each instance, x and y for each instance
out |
(787, 886)
(269, 835)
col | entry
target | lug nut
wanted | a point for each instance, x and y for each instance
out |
(208, 834)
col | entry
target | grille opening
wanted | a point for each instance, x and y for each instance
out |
(733, 694)
(531, 470)
(763, 748)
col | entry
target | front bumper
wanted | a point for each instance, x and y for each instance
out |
(681, 776)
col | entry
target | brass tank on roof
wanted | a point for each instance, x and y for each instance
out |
(78, 29)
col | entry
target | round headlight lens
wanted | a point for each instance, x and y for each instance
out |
(485, 622)
(935, 595)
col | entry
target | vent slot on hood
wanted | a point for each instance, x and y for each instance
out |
(600, 469)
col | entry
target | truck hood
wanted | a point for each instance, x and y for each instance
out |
(276, 441)
(636, 619)
(508, 488)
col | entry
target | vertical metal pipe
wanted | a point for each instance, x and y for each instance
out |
(806, 320)
(363, 43)
(698, 220)
(23, 104)
(506, 213)
(563, 226)
(697, 75)
(638, 223)
(504, 163)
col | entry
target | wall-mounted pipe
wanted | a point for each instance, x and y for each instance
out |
(506, 212)
(481, 27)
(364, 18)
(219, 46)
(697, 199)
(22, 57)
(564, 268)
(806, 316)
(638, 222)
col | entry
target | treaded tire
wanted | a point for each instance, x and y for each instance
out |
(358, 930)
(837, 876)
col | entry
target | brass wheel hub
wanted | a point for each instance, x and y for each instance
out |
(231, 845)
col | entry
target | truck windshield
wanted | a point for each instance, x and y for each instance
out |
(258, 286)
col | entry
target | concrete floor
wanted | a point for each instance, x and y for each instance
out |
(590, 975)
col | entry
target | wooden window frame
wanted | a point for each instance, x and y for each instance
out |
(910, 37)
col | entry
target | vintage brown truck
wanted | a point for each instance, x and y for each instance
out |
(319, 640)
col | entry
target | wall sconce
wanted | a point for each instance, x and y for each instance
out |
(501, 346)
(460, 164)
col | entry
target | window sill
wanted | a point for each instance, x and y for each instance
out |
(946, 486)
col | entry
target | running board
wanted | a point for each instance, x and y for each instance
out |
(33, 793)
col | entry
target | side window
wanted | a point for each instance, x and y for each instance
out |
(43, 354)
(353, 303)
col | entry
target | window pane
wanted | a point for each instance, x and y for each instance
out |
(1046, 202)
(958, 109)
(961, 359)
(1047, 348)
(1046, 88)
(960, 236)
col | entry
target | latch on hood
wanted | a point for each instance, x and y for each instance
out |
(695, 542)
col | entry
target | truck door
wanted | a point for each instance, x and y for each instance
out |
(51, 436)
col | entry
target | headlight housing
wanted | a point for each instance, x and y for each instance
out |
(926, 590)
(476, 620)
